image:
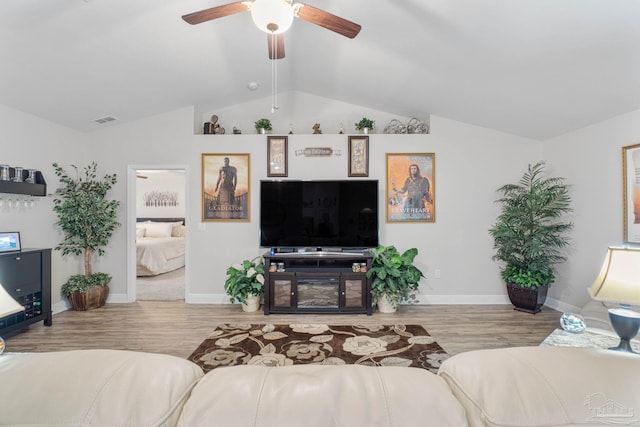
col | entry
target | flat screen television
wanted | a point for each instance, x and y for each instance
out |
(337, 214)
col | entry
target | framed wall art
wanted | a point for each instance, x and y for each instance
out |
(410, 191)
(277, 156)
(358, 156)
(631, 193)
(225, 187)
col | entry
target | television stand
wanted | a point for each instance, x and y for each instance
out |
(317, 282)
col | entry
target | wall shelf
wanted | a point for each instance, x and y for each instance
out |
(37, 189)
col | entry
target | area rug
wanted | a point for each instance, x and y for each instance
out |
(282, 345)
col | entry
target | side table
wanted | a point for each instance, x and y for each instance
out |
(591, 338)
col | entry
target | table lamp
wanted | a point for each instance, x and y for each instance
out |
(619, 282)
(8, 306)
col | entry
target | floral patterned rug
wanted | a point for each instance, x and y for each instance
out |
(281, 345)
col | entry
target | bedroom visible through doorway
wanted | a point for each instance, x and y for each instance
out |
(160, 234)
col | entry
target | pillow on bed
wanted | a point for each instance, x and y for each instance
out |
(140, 231)
(158, 229)
(177, 230)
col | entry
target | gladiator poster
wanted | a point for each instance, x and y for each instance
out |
(410, 188)
(225, 187)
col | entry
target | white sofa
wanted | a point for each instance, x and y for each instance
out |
(525, 386)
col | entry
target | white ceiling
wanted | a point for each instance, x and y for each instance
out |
(536, 68)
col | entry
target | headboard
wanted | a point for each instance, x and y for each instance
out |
(160, 220)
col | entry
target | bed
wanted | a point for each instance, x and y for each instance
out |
(159, 245)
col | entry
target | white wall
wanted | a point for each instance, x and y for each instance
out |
(31, 142)
(471, 162)
(591, 161)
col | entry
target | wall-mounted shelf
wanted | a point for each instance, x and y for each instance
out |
(37, 189)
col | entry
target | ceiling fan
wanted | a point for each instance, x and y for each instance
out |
(274, 17)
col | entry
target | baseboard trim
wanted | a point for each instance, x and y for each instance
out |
(422, 299)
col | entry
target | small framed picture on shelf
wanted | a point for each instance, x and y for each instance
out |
(277, 153)
(358, 156)
(10, 241)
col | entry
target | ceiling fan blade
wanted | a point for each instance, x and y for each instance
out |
(327, 20)
(215, 12)
(276, 50)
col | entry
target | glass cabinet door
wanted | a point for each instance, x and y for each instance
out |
(353, 291)
(282, 291)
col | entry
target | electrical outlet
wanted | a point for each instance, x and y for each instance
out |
(437, 273)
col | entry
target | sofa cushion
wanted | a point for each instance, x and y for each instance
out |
(94, 387)
(323, 396)
(546, 386)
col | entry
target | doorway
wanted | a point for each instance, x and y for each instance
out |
(157, 232)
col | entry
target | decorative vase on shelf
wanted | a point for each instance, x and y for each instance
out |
(31, 179)
(365, 130)
(263, 131)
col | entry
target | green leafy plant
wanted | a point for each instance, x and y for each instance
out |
(263, 124)
(246, 278)
(364, 123)
(81, 283)
(88, 220)
(394, 274)
(530, 232)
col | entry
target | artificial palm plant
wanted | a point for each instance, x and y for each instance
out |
(531, 231)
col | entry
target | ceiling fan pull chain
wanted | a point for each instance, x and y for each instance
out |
(274, 76)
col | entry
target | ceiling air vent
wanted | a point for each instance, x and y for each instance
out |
(105, 119)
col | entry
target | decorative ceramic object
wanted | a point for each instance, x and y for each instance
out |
(573, 323)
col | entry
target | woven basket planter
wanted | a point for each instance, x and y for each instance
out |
(95, 297)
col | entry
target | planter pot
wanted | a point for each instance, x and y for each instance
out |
(384, 305)
(252, 304)
(365, 130)
(95, 297)
(527, 299)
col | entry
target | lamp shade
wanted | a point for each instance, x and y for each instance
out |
(619, 278)
(272, 16)
(8, 305)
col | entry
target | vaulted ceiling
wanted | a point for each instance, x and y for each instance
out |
(535, 68)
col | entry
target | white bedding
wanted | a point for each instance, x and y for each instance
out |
(156, 255)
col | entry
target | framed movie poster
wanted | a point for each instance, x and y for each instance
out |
(277, 164)
(411, 187)
(631, 193)
(225, 187)
(358, 156)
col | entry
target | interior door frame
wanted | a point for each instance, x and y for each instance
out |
(131, 221)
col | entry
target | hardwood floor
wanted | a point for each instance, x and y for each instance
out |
(176, 328)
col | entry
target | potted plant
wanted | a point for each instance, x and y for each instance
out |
(395, 278)
(245, 283)
(365, 125)
(529, 235)
(88, 220)
(263, 125)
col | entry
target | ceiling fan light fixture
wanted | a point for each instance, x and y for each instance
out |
(272, 16)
